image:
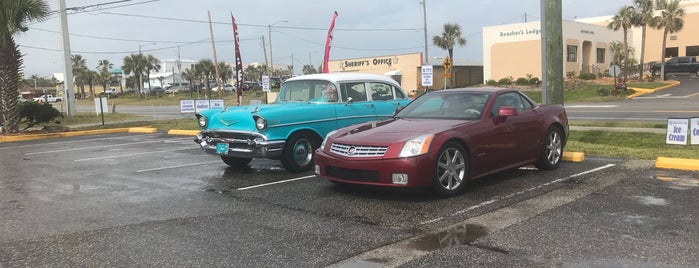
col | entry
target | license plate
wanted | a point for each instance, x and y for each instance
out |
(222, 148)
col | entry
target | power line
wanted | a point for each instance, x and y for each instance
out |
(135, 40)
(348, 48)
(265, 26)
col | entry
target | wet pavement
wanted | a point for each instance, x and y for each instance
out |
(130, 199)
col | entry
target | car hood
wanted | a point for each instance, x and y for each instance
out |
(393, 130)
(241, 117)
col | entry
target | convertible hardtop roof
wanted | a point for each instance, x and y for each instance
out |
(340, 76)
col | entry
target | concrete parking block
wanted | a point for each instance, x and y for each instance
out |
(677, 163)
(183, 132)
(143, 130)
(573, 156)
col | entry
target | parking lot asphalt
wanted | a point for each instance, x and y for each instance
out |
(661, 162)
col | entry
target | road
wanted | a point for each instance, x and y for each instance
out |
(675, 102)
(156, 200)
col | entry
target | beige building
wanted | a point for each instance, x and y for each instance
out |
(515, 49)
(405, 69)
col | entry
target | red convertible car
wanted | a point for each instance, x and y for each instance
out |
(444, 138)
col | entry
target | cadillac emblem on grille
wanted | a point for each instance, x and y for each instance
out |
(351, 150)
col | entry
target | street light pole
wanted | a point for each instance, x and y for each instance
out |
(271, 58)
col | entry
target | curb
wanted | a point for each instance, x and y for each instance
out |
(677, 163)
(143, 130)
(644, 91)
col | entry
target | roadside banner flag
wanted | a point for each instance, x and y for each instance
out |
(327, 44)
(238, 63)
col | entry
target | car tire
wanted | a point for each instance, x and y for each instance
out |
(298, 152)
(235, 161)
(552, 150)
(656, 72)
(451, 170)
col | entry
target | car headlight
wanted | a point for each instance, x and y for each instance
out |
(322, 145)
(416, 146)
(201, 120)
(260, 123)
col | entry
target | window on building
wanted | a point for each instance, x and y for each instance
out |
(692, 51)
(671, 52)
(572, 53)
(601, 52)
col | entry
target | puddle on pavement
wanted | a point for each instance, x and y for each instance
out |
(455, 236)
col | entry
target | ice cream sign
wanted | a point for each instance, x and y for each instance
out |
(677, 131)
(694, 130)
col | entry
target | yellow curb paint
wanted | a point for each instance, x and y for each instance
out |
(573, 156)
(60, 134)
(143, 130)
(677, 163)
(183, 132)
(644, 91)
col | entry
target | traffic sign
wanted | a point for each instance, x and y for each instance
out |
(426, 75)
(447, 66)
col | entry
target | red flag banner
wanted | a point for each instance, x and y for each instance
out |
(327, 44)
(238, 63)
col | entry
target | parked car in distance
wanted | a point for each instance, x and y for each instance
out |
(306, 109)
(176, 89)
(110, 93)
(48, 98)
(688, 64)
(229, 87)
(445, 138)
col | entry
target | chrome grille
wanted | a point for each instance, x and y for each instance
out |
(358, 150)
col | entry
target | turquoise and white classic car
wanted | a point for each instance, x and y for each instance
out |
(307, 108)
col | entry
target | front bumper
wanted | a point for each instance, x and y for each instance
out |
(378, 172)
(243, 145)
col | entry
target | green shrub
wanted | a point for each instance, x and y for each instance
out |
(505, 81)
(522, 81)
(534, 81)
(491, 82)
(570, 74)
(32, 113)
(587, 76)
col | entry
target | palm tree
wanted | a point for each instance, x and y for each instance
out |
(205, 68)
(104, 76)
(225, 73)
(644, 18)
(309, 69)
(79, 65)
(189, 75)
(671, 20)
(135, 64)
(14, 16)
(451, 36)
(152, 64)
(90, 78)
(623, 19)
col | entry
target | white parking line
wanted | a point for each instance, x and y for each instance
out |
(96, 147)
(84, 140)
(178, 166)
(125, 155)
(499, 198)
(276, 182)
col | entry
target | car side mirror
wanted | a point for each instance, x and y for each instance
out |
(349, 100)
(506, 111)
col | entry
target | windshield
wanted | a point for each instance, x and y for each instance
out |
(447, 105)
(308, 90)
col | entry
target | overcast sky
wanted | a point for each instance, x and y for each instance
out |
(364, 28)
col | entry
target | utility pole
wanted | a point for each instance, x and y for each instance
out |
(264, 49)
(424, 28)
(551, 52)
(292, 64)
(271, 58)
(67, 64)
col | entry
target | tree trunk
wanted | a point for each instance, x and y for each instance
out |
(10, 66)
(626, 55)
